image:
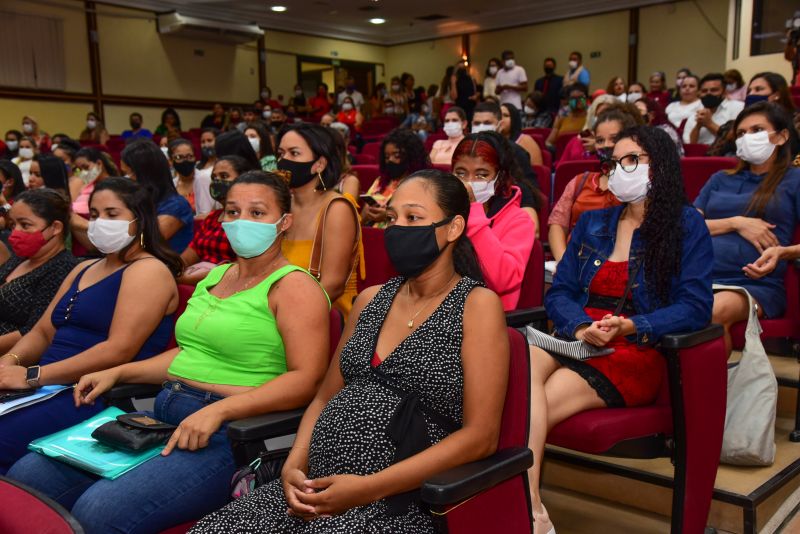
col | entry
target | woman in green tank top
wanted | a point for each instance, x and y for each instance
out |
(244, 349)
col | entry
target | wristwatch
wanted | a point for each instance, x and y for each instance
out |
(32, 376)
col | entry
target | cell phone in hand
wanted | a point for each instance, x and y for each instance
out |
(369, 200)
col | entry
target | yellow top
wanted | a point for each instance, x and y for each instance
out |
(298, 252)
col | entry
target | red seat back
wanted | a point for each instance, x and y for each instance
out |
(544, 132)
(567, 170)
(366, 175)
(366, 159)
(561, 143)
(543, 177)
(691, 150)
(372, 149)
(547, 158)
(532, 292)
(376, 261)
(697, 170)
(26, 511)
(184, 294)
(378, 126)
(506, 507)
(336, 328)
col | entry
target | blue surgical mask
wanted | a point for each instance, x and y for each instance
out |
(250, 238)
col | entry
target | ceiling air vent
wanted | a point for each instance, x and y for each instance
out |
(429, 18)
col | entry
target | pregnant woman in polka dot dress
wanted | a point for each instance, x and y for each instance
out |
(433, 337)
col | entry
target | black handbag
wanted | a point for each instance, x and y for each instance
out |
(134, 432)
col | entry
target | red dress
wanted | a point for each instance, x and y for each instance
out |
(632, 374)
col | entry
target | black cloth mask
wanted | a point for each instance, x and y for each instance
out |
(711, 101)
(395, 170)
(412, 249)
(184, 168)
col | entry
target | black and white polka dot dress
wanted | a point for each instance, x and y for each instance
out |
(350, 436)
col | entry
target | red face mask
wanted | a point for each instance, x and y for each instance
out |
(26, 244)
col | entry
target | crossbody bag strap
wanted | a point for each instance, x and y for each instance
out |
(628, 287)
(578, 193)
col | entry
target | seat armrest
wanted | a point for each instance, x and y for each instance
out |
(521, 318)
(684, 341)
(131, 391)
(270, 425)
(465, 481)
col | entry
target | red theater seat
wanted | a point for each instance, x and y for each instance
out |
(567, 170)
(532, 292)
(695, 150)
(561, 143)
(697, 170)
(366, 175)
(26, 511)
(376, 261)
(372, 149)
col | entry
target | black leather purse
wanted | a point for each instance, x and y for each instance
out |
(134, 432)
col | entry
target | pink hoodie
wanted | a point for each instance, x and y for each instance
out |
(503, 243)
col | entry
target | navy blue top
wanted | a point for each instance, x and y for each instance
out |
(592, 242)
(142, 133)
(178, 207)
(726, 196)
(82, 319)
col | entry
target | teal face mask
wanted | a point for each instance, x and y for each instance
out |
(250, 238)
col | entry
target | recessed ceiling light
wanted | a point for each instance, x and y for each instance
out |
(377, 21)
(278, 9)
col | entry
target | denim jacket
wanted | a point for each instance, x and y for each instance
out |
(590, 245)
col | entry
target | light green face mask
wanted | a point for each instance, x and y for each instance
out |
(250, 238)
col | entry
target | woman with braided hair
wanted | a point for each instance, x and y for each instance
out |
(630, 275)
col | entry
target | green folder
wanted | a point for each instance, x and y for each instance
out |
(76, 446)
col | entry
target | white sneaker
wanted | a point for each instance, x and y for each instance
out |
(542, 523)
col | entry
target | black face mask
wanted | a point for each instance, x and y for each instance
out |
(711, 101)
(184, 168)
(549, 70)
(412, 249)
(208, 151)
(219, 190)
(300, 171)
(395, 170)
(136, 125)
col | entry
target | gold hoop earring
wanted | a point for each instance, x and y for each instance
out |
(322, 183)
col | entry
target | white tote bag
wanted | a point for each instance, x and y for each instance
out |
(749, 437)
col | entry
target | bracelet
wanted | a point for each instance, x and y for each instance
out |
(14, 355)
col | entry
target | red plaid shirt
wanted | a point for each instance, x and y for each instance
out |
(210, 241)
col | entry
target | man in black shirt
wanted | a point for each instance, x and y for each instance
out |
(550, 86)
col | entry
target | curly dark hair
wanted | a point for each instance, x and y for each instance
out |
(662, 230)
(412, 152)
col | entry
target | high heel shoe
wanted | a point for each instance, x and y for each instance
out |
(542, 523)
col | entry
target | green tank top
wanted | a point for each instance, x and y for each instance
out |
(233, 341)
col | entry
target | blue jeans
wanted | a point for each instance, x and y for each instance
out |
(159, 494)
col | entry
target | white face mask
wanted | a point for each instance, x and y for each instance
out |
(298, 92)
(109, 235)
(26, 153)
(622, 98)
(630, 186)
(731, 87)
(165, 151)
(91, 124)
(266, 114)
(27, 128)
(478, 128)
(265, 95)
(754, 148)
(530, 111)
(255, 142)
(573, 64)
(395, 88)
(633, 97)
(347, 106)
(510, 63)
(389, 111)
(12, 145)
(492, 70)
(453, 129)
(483, 191)
(678, 82)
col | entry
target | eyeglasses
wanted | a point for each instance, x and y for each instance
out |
(178, 158)
(628, 162)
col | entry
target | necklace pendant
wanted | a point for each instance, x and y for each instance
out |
(411, 323)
